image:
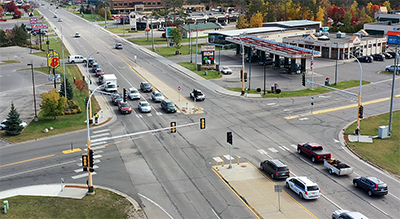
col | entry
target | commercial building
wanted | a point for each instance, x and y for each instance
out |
(386, 21)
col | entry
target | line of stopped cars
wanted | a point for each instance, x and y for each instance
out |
(307, 188)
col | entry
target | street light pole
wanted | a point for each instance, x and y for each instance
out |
(359, 99)
(197, 43)
(242, 63)
(396, 63)
(88, 83)
(337, 56)
(63, 62)
(34, 93)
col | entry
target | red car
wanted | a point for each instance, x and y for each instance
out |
(99, 72)
(3, 19)
(124, 107)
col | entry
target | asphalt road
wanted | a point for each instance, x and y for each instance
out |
(174, 170)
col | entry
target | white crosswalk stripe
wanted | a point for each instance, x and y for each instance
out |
(262, 151)
(82, 175)
(273, 150)
(81, 169)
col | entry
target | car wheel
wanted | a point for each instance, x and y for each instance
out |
(261, 167)
(272, 176)
(313, 159)
(287, 185)
(301, 195)
(330, 171)
(73, 62)
(299, 151)
(355, 184)
(370, 193)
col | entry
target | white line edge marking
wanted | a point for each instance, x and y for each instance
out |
(156, 205)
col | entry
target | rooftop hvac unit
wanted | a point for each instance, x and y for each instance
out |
(340, 35)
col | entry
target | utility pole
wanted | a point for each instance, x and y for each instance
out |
(197, 43)
(396, 63)
(337, 57)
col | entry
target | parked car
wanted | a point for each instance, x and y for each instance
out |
(253, 59)
(161, 28)
(305, 187)
(197, 95)
(275, 168)
(368, 59)
(3, 124)
(268, 61)
(393, 54)
(226, 70)
(77, 35)
(378, 57)
(387, 55)
(346, 214)
(118, 46)
(391, 68)
(133, 93)
(116, 98)
(144, 107)
(168, 106)
(124, 107)
(146, 87)
(156, 96)
(76, 58)
(99, 72)
(373, 185)
(3, 19)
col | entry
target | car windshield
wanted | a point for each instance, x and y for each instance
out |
(146, 85)
(170, 104)
(112, 86)
(134, 91)
(158, 94)
(145, 104)
(125, 105)
(312, 188)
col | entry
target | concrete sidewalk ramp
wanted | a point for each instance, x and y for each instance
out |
(258, 192)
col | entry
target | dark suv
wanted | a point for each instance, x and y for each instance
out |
(373, 185)
(168, 106)
(275, 168)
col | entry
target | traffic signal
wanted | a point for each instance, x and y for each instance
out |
(125, 95)
(84, 162)
(91, 158)
(303, 79)
(229, 137)
(241, 76)
(173, 129)
(360, 112)
(202, 123)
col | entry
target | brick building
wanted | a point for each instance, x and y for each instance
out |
(137, 5)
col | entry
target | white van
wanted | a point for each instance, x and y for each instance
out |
(76, 58)
(305, 187)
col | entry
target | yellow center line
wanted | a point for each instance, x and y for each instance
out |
(340, 108)
(71, 151)
(24, 161)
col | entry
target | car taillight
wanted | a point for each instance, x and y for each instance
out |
(276, 173)
(318, 157)
(306, 192)
(289, 171)
(376, 186)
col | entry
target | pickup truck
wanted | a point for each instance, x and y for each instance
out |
(197, 95)
(313, 150)
(338, 167)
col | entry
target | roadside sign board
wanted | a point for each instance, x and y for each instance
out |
(53, 59)
(33, 20)
(39, 26)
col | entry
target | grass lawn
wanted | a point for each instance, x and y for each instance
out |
(159, 40)
(306, 92)
(382, 152)
(5, 62)
(170, 51)
(202, 73)
(104, 204)
(55, 44)
(62, 124)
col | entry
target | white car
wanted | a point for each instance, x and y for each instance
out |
(346, 214)
(3, 124)
(133, 93)
(144, 107)
(305, 187)
(156, 96)
(392, 67)
(226, 70)
(77, 34)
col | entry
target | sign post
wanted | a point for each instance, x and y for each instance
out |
(53, 61)
(179, 89)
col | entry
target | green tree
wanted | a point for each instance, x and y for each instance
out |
(176, 38)
(3, 38)
(13, 125)
(19, 37)
(52, 104)
(70, 90)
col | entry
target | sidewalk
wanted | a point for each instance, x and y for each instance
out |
(257, 191)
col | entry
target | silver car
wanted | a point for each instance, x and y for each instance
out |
(392, 67)
(338, 214)
(226, 70)
(144, 107)
(133, 93)
(156, 96)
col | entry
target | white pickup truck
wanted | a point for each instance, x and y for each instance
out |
(338, 167)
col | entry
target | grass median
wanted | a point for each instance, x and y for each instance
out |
(104, 204)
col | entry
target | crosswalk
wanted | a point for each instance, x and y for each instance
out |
(98, 150)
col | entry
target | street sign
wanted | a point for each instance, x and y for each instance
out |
(33, 20)
(312, 98)
(147, 30)
(179, 88)
(53, 59)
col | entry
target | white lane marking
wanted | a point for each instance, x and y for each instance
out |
(228, 157)
(156, 205)
(97, 148)
(139, 116)
(378, 209)
(158, 113)
(282, 148)
(336, 141)
(273, 150)
(285, 148)
(217, 159)
(294, 146)
(329, 200)
(215, 213)
(262, 151)
(270, 104)
(304, 118)
(100, 131)
(95, 161)
(97, 156)
(149, 115)
(41, 168)
(81, 169)
(100, 135)
(82, 175)
(98, 143)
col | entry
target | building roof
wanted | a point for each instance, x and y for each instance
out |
(201, 26)
(294, 23)
(249, 31)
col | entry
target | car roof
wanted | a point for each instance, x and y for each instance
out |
(305, 180)
(132, 88)
(278, 163)
(374, 179)
(355, 215)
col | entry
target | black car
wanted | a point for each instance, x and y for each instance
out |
(168, 106)
(393, 54)
(146, 87)
(373, 185)
(275, 168)
(378, 57)
(253, 59)
(368, 59)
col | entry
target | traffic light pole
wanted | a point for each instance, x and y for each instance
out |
(359, 101)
